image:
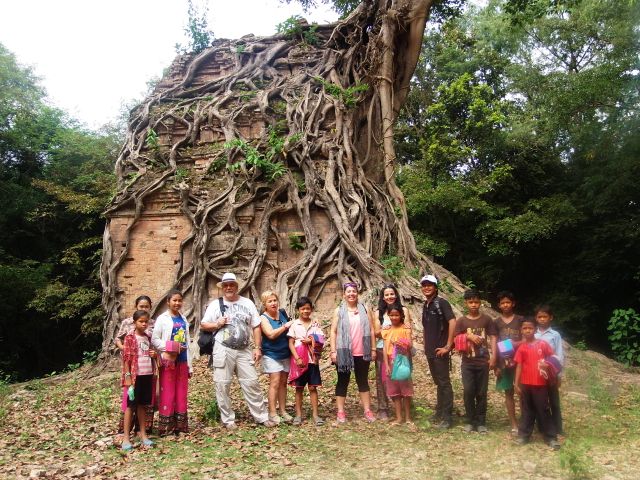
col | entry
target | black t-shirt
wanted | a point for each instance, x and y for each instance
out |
(510, 331)
(484, 327)
(435, 323)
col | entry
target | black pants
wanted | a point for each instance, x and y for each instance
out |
(439, 368)
(554, 403)
(361, 371)
(534, 403)
(475, 381)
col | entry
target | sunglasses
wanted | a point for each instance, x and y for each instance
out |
(350, 284)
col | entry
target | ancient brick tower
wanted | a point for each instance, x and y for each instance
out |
(272, 158)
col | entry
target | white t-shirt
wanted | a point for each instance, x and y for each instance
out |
(243, 317)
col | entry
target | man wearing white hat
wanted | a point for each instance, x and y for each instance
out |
(234, 319)
(438, 324)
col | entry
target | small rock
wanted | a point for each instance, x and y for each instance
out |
(80, 472)
(529, 467)
(609, 477)
(485, 476)
(36, 473)
(93, 469)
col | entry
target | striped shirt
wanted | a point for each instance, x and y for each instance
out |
(528, 355)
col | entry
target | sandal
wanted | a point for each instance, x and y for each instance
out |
(147, 442)
(127, 447)
(318, 421)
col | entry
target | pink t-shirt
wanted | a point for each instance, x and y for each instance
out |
(144, 360)
(355, 329)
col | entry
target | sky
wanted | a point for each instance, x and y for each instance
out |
(94, 56)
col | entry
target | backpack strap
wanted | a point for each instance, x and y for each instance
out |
(223, 307)
(284, 312)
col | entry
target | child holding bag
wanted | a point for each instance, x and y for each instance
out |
(171, 338)
(138, 378)
(305, 340)
(397, 366)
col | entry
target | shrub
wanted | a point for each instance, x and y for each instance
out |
(624, 326)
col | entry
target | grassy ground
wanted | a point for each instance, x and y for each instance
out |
(64, 427)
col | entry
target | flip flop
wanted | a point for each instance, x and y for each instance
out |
(127, 447)
(147, 442)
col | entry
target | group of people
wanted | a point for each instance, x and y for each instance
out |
(526, 355)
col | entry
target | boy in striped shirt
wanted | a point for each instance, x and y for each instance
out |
(532, 388)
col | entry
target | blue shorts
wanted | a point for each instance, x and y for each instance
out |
(311, 377)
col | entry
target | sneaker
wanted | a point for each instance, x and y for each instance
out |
(521, 441)
(369, 416)
(444, 425)
(286, 418)
(482, 429)
(554, 444)
(468, 428)
(341, 417)
(297, 421)
(268, 424)
(230, 426)
(318, 421)
(275, 419)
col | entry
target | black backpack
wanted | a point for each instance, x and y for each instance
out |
(207, 339)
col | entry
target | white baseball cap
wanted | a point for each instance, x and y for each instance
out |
(429, 279)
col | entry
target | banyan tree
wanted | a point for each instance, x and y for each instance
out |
(272, 158)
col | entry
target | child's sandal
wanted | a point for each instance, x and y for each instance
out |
(147, 442)
(127, 447)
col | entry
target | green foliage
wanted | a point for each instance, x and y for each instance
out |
(520, 156)
(197, 30)
(574, 458)
(296, 241)
(624, 328)
(212, 412)
(152, 139)
(181, 175)
(269, 162)
(101, 400)
(295, 27)
(57, 177)
(580, 345)
(348, 96)
(393, 266)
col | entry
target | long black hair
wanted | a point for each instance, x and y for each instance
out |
(382, 305)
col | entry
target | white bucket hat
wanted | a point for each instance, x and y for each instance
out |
(228, 277)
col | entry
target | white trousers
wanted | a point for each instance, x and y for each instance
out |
(226, 362)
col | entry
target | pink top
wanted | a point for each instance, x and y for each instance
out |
(355, 329)
(145, 367)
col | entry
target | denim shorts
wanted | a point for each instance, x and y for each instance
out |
(271, 365)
